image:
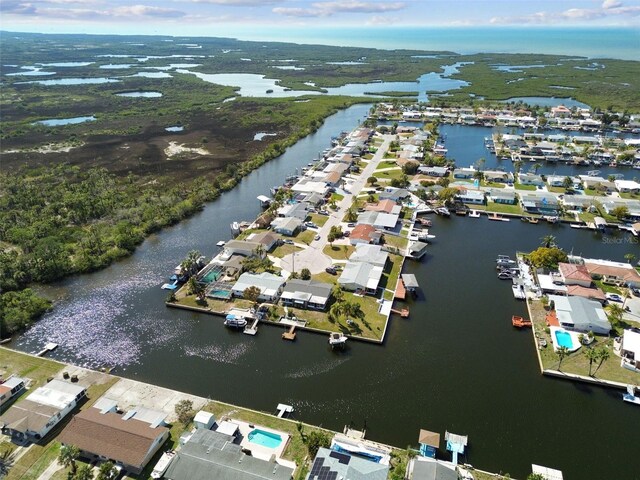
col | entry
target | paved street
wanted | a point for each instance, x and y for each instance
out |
(312, 257)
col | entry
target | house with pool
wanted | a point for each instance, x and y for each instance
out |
(579, 314)
(630, 349)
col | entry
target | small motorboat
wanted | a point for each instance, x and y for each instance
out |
(503, 264)
(162, 464)
(443, 211)
(631, 396)
(505, 275)
(474, 214)
(518, 291)
(520, 322)
(337, 339)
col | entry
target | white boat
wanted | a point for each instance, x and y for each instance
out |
(163, 464)
(425, 235)
(474, 214)
(503, 258)
(337, 339)
(505, 275)
(518, 291)
(233, 321)
(235, 229)
(221, 243)
(630, 396)
(444, 211)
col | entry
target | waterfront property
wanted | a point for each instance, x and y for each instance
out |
(630, 349)
(210, 454)
(423, 468)
(43, 409)
(270, 285)
(360, 277)
(332, 464)
(306, 294)
(615, 273)
(128, 439)
(11, 388)
(564, 338)
(373, 254)
(580, 314)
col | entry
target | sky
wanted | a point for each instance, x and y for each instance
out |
(232, 17)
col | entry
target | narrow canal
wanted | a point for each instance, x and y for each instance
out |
(457, 364)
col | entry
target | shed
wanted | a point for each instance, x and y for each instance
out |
(204, 420)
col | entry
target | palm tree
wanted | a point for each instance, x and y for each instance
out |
(536, 167)
(615, 314)
(107, 471)
(85, 472)
(629, 257)
(68, 456)
(603, 355)
(548, 241)
(562, 352)
(7, 458)
(592, 356)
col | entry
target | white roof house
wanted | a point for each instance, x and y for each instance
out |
(368, 253)
(581, 314)
(270, 285)
(379, 219)
(625, 186)
(360, 276)
(631, 349)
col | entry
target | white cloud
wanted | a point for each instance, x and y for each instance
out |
(609, 9)
(327, 9)
(131, 12)
(238, 3)
(611, 4)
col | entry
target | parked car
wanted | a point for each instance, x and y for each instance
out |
(316, 238)
(288, 242)
(351, 225)
(331, 270)
(635, 292)
(614, 297)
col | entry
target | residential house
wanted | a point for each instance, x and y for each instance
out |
(630, 349)
(43, 409)
(209, 454)
(102, 433)
(11, 388)
(358, 276)
(534, 202)
(558, 180)
(577, 203)
(333, 179)
(475, 197)
(560, 112)
(633, 206)
(372, 254)
(242, 247)
(464, 173)
(363, 233)
(424, 468)
(307, 294)
(590, 293)
(627, 186)
(330, 464)
(498, 176)
(380, 220)
(394, 194)
(386, 206)
(574, 274)
(295, 210)
(267, 239)
(433, 171)
(314, 199)
(500, 195)
(615, 273)
(530, 179)
(597, 183)
(286, 226)
(309, 185)
(270, 285)
(580, 314)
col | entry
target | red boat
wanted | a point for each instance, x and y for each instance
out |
(520, 322)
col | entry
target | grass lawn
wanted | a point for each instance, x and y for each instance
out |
(519, 186)
(388, 174)
(593, 192)
(325, 277)
(339, 252)
(503, 208)
(368, 156)
(306, 237)
(318, 219)
(336, 197)
(34, 462)
(214, 304)
(387, 164)
(249, 231)
(284, 249)
(395, 241)
(493, 184)
(34, 368)
(391, 272)
(606, 288)
(556, 189)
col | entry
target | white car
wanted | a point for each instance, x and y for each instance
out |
(614, 297)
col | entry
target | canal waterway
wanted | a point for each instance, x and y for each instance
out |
(456, 364)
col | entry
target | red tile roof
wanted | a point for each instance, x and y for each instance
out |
(574, 272)
(580, 291)
(362, 232)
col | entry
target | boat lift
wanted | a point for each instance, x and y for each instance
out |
(456, 445)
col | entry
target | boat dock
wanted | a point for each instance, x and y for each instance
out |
(49, 347)
(401, 291)
(283, 410)
(290, 334)
(456, 445)
(252, 329)
(404, 313)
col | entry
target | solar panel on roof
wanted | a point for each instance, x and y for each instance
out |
(341, 457)
(317, 465)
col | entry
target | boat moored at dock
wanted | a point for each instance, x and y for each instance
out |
(631, 396)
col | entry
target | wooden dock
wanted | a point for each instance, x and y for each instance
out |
(401, 291)
(49, 347)
(253, 329)
(290, 334)
(404, 313)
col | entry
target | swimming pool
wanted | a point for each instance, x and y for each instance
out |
(265, 439)
(563, 339)
(211, 276)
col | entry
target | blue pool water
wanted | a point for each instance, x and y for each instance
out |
(564, 339)
(266, 439)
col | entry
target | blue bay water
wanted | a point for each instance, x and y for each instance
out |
(601, 42)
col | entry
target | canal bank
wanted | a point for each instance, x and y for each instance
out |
(457, 364)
